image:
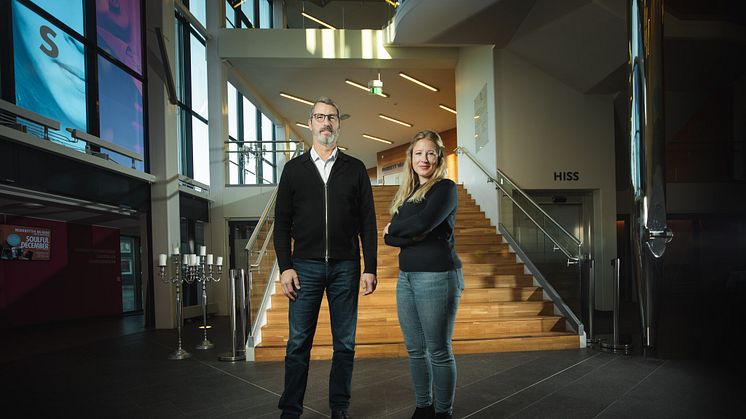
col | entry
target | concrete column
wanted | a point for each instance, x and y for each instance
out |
(164, 163)
(217, 115)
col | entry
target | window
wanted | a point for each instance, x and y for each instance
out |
(121, 110)
(251, 147)
(50, 73)
(191, 86)
(83, 71)
(119, 29)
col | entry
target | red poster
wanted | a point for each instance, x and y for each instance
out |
(24, 243)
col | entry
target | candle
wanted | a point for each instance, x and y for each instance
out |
(220, 261)
(161, 260)
(176, 250)
(202, 250)
(185, 260)
(209, 259)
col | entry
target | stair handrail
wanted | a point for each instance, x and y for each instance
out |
(252, 246)
(500, 179)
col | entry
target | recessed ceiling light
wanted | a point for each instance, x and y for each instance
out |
(361, 87)
(421, 83)
(317, 20)
(297, 99)
(370, 137)
(301, 125)
(388, 118)
(441, 106)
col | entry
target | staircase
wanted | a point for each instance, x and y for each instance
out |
(501, 310)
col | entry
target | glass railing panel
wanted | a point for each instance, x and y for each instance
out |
(261, 261)
(566, 243)
(541, 251)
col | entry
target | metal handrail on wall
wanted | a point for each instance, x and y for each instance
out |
(573, 253)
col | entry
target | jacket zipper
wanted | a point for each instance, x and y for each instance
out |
(326, 223)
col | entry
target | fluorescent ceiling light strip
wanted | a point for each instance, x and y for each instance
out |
(317, 20)
(370, 137)
(342, 148)
(441, 106)
(388, 118)
(421, 83)
(297, 99)
(301, 125)
(361, 87)
(238, 4)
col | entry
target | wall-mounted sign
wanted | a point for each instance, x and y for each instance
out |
(566, 176)
(24, 243)
(396, 166)
(481, 117)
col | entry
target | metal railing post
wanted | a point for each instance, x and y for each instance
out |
(236, 353)
(616, 346)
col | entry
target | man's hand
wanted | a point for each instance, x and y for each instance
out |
(290, 283)
(368, 282)
(386, 229)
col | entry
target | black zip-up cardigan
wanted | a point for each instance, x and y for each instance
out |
(300, 213)
(424, 231)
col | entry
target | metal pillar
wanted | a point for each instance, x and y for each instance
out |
(647, 155)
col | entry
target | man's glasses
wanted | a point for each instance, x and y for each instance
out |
(320, 117)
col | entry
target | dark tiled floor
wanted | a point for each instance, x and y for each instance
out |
(113, 368)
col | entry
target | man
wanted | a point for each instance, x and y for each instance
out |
(325, 205)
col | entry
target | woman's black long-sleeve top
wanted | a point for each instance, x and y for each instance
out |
(424, 231)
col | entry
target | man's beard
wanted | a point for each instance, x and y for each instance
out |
(326, 141)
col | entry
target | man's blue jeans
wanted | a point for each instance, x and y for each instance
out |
(341, 280)
(427, 303)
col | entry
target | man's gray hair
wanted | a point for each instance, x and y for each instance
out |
(324, 100)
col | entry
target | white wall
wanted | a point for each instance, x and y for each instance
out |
(539, 126)
(473, 71)
(547, 127)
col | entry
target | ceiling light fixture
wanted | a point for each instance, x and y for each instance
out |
(361, 87)
(297, 99)
(342, 148)
(441, 106)
(421, 83)
(238, 3)
(317, 20)
(370, 137)
(388, 118)
(301, 125)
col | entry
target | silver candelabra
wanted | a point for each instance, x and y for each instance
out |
(205, 268)
(188, 268)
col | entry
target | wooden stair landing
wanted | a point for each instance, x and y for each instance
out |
(501, 310)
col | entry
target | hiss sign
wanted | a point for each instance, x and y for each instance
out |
(566, 176)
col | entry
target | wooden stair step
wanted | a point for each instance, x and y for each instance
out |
(390, 332)
(486, 295)
(487, 257)
(548, 341)
(466, 312)
(470, 282)
(468, 269)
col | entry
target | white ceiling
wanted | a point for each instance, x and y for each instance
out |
(580, 42)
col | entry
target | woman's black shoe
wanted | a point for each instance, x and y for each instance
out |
(424, 412)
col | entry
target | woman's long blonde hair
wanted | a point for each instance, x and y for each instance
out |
(411, 180)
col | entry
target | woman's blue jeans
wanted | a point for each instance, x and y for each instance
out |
(427, 303)
(341, 280)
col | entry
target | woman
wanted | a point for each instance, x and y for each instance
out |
(430, 278)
